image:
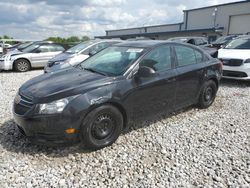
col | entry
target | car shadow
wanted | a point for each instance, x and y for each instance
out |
(234, 83)
(12, 140)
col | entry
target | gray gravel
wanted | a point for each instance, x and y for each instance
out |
(206, 148)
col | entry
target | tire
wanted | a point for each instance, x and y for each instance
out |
(101, 127)
(207, 94)
(22, 65)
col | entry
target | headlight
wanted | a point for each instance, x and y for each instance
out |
(59, 62)
(247, 61)
(55, 106)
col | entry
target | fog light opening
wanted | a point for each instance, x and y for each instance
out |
(70, 131)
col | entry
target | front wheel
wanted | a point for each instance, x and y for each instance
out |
(207, 94)
(22, 65)
(101, 127)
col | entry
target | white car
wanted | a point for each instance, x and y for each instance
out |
(236, 59)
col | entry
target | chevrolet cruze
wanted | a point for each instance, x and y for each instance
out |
(96, 100)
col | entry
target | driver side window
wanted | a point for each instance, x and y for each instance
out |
(158, 59)
(43, 48)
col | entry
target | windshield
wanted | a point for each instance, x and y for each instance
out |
(239, 44)
(30, 48)
(223, 39)
(112, 61)
(79, 47)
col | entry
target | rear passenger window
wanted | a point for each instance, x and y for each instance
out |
(185, 55)
(158, 59)
(199, 56)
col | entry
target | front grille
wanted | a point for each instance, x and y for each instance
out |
(232, 62)
(24, 105)
(234, 74)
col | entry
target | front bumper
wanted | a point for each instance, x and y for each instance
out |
(5, 65)
(237, 72)
(48, 129)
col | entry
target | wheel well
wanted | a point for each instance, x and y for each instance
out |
(21, 59)
(216, 81)
(122, 110)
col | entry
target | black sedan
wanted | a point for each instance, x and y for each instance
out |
(96, 100)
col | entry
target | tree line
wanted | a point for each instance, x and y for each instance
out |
(69, 40)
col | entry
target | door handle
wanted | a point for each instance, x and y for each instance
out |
(171, 80)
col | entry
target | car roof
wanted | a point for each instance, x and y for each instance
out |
(143, 43)
(189, 37)
(104, 40)
(243, 37)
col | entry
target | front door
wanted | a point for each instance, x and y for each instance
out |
(154, 94)
(43, 54)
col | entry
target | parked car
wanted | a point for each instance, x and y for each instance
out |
(18, 47)
(77, 54)
(202, 42)
(33, 56)
(236, 59)
(222, 41)
(3, 46)
(197, 41)
(97, 99)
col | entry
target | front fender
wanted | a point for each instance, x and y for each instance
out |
(84, 103)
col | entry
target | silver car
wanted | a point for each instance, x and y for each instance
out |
(35, 55)
(77, 54)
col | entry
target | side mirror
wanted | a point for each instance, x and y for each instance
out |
(145, 72)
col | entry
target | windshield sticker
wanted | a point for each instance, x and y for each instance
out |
(135, 50)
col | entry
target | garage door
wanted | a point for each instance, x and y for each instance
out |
(239, 24)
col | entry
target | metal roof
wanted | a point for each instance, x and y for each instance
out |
(156, 33)
(160, 25)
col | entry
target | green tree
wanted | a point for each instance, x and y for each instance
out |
(69, 40)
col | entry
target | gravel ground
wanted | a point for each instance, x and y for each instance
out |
(204, 148)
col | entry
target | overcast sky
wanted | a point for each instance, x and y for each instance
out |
(38, 19)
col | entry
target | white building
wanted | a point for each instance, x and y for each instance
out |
(212, 21)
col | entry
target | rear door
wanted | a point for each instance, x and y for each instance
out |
(190, 72)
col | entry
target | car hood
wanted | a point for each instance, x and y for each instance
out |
(61, 84)
(234, 54)
(209, 50)
(62, 57)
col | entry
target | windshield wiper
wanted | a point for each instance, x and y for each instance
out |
(95, 71)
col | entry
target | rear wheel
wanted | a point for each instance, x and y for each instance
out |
(208, 93)
(22, 65)
(101, 127)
